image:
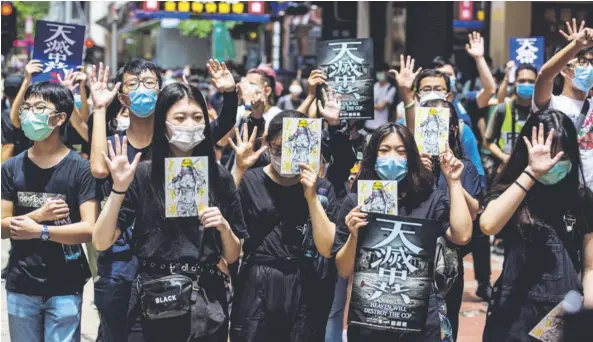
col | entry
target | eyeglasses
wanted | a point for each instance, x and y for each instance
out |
(37, 109)
(148, 82)
(428, 89)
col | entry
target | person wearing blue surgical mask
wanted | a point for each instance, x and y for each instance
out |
(391, 154)
(575, 64)
(544, 215)
(510, 116)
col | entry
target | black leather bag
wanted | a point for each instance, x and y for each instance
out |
(165, 297)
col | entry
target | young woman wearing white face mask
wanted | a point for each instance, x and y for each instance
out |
(293, 99)
(391, 154)
(196, 247)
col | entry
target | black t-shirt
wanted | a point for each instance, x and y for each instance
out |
(36, 267)
(435, 207)
(11, 135)
(277, 217)
(110, 130)
(183, 240)
(73, 140)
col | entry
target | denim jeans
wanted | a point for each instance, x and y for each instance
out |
(333, 332)
(49, 319)
(112, 297)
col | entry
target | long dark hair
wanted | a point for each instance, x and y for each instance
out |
(544, 202)
(169, 96)
(418, 182)
(454, 140)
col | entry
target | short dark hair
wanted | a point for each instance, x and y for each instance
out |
(440, 61)
(525, 66)
(12, 84)
(431, 73)
(56, 94)
(136, 67)
(275, 127)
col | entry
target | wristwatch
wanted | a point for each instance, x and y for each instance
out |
(44, 233)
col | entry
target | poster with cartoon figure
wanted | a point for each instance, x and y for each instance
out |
(301, 143)
(378, 196)
(186, 186)
(432, 129)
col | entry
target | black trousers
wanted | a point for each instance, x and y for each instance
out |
(280, 305)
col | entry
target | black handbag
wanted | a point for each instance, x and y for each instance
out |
(165, 297)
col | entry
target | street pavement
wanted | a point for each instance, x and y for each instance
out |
(471, 321)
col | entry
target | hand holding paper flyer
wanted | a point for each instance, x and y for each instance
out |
(186, 186)
(378, 196)
(301, 143)
(432, 130)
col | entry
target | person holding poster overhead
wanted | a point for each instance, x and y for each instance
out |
(286, 284)
(391, 154)
(183, 260)
(544, 216)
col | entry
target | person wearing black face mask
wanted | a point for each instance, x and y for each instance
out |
(391, 154)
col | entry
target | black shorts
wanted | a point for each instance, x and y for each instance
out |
(280, 305)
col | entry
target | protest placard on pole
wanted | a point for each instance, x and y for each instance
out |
(58, 46)
(527, 50)
(349, 67)
(393, 273)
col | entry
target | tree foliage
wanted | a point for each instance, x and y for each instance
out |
(35, 9)
(201, 28)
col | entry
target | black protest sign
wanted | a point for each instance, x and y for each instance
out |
(393, 273)
(348, 65)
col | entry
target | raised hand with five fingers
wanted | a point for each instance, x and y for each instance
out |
(540, 152)
(100, 94)
(584, 38)
(406, 75)
(355, 220)
(572, 31)
(451, 167)
(333, 105)
(245, 156)
(33, 67)
(122, 172)
(475, 48)
(221, 77)
(69, 81)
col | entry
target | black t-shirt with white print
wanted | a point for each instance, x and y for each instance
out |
(278, 220)
(37, 267)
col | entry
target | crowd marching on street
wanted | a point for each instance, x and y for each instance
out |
(245, 212)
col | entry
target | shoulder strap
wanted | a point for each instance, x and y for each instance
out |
(584, 111)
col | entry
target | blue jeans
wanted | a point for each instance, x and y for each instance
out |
(112, 298)
(38, 319)
(335, 322)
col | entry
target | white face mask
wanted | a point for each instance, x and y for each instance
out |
(186, 138)
(432, 96)
(276, 163)
(295, 89)
(123, 123)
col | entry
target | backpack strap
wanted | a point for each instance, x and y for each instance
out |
(581, 118)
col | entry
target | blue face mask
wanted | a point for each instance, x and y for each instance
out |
(557, 173)
(391, 168)
(452, 82)
(525, 90)
(583, 78)
(142, 101)
(77, 101)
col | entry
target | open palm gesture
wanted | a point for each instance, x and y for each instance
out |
(333, 105)
(475, 48)
(245, 156)
(539, 150)
(69, 81)
(406, 75)
(122, 172)
(222, 78)
(572, 31)
(100, 94)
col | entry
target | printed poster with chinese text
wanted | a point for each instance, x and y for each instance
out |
(432, 129)
(301, 143)
(349, 67)
(186, 186)
(393, 274)
(379, 197)
(59, 47)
